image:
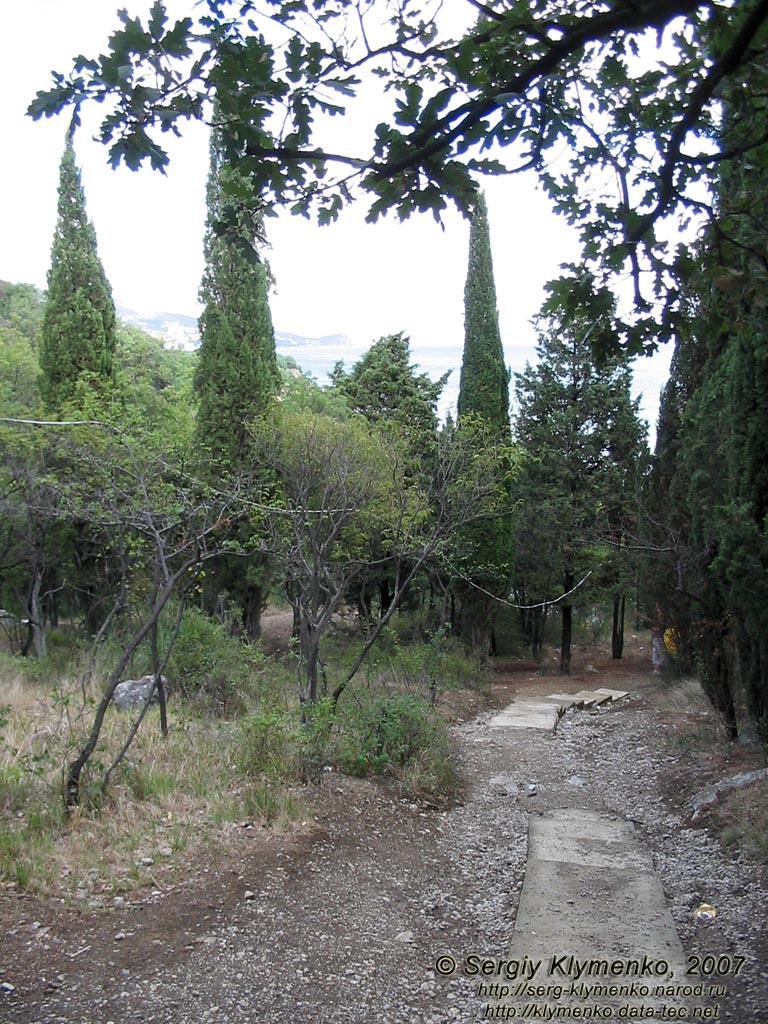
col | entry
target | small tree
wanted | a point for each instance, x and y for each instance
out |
(386, 389)
(335, 479)
(164, 527)
(78, 331)
(338, 484)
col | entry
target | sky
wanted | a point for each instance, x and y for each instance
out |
(362, 281)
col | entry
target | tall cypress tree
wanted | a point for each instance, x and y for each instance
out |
(484, 382)
(237, 372)
(78, 335)
(484, 549)
(714, 449)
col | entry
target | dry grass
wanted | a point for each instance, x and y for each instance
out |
(683, 695)
(704, 756)
(167, 798)
(740, 820)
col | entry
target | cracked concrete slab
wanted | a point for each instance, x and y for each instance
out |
(593, 911)
(527, 715)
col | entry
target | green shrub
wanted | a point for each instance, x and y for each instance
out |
(385, 733)
(315, 740)
(428, 667)
(208, 663)
(267, 745)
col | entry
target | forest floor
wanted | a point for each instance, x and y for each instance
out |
(342, 918)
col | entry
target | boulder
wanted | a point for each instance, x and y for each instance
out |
(132, 693)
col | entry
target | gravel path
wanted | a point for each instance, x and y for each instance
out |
(349, 928)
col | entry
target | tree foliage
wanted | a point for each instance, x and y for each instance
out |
(484, 383)
(21, 313)
(237, 374)
(344, 502)
(385, 388)
(582, 447)
(78, 336)
(484, 549)
(710, 481)
(627, 96)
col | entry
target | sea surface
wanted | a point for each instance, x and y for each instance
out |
(649, 373)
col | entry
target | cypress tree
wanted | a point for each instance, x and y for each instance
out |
(78, 335)
(714, 592)
(484, 549)
(484, 382)
(237, 373)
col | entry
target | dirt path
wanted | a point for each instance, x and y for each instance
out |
(344, 922)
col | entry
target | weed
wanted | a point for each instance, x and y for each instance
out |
(270, 804)
(267, 744)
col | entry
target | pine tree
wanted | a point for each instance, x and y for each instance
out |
(582, 440)
(78, 336)
(237, 373)
(484, 549)
(387, 390)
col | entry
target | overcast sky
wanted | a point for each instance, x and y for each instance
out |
(359, 280)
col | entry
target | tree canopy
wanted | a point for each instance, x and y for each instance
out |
(78, 336)
(237, 374)
(616, 105)
(583, 445)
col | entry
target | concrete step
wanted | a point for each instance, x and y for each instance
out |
(566, 700)
(544, 712)
(613, 694)
(591, 698)
(592, 912)
(526, 714)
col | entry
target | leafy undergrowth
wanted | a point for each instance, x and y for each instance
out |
(232, 756)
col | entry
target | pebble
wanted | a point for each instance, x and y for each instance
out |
(320, 950)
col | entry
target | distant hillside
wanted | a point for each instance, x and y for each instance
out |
(180, 331)
(176, 330)
(285, 340)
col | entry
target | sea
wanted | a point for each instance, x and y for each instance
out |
(649, 373)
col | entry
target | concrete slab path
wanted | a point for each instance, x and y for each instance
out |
(527, 714)
(544, 712)
(593, 929)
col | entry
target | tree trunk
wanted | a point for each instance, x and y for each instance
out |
(36, 617)
(385, 595)
(253, 603)
(567, 629)
(617, 638)
(476, 619)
